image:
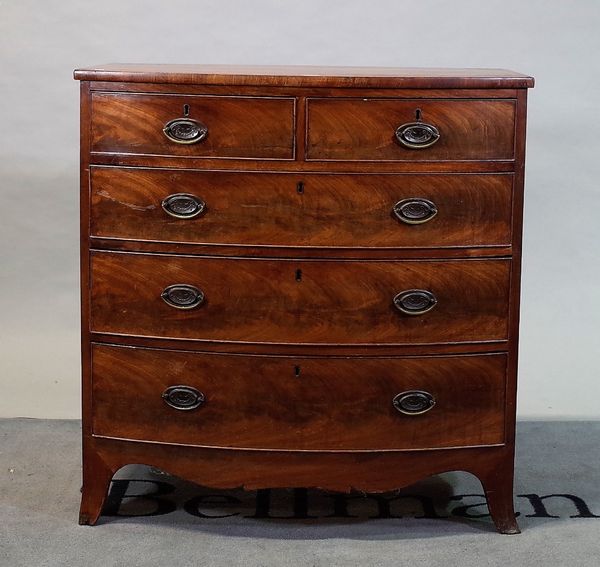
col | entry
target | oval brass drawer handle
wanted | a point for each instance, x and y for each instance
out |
(183, 205)
(183, 398)
(417, 135)
(413, 402)
(185, 131)
(415, 301)
(182, 296)
(415, 211)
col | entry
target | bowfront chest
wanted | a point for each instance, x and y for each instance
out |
(301, 277)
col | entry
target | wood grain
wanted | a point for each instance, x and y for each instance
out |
(515, 276)
(305, 91)
(300, 165)
(337, 471)
(238, 127)
(331, 211)
(345, 302)
(262, 251)
(363, 129)
(303, 349)
(307, 75)
(279, 403)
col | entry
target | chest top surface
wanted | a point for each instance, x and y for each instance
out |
(307, 76)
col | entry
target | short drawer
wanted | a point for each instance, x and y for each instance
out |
(299, 301)
(331, 404)
(193, 126)
(410, 130)
(296, 210)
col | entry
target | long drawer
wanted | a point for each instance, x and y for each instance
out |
(261, 402)
(193, 126)
(369, 129)
(299, 301)
(312, 210)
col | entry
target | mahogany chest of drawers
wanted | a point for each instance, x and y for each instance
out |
(301, 277)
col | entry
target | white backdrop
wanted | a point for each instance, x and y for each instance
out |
(42, 41)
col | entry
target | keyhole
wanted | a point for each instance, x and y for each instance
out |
(186, 109)
(298, 275)
(418, 114)
(297, 371)
(300, 187)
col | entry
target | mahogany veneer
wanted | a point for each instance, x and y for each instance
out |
(332, 210)
(300, 301)
(359, 129)
(301, 276)
(337, 402)
(240, 127)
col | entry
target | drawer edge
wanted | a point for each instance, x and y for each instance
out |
(278, 450)
(262, 349)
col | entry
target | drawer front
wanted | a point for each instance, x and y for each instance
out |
(318, 210)
(299, 301)
(298, 404)
(365, 129)
(236, 127)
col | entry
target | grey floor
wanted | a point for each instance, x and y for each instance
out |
(557, 488)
